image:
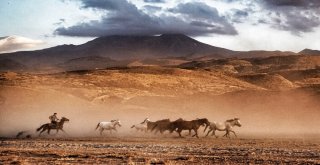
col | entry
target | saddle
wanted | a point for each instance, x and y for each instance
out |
(53, 124)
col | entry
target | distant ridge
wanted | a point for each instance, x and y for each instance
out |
(122, 50)
(309, 52)
(119, 47)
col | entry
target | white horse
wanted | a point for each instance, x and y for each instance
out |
(108, 125)
(225, 126)
(140, 127)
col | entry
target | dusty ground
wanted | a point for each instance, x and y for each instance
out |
(282, 103)
(166, 150)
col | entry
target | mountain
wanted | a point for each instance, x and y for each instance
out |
(310, 52)
(117, 50)
(10, 65)
(258, 65)
(166, 45)
(120, 48)
(89, 63)
(262, 53)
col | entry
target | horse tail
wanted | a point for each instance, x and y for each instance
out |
(133, 126)
(97, 126)
(41, 127)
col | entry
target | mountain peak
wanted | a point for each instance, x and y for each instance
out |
(309, 52)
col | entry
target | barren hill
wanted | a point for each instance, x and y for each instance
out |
(100, 85)
(119, 48)
(162, 50)
(309, 52)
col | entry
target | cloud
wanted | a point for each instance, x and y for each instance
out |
(151, 9)
(238, 16)
(124, 18)
(154, 1)
(295, 16)
(293, 3)
(205, 15)
(14, 43)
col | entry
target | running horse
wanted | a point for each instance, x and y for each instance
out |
(225, 126)
(179, 125)
(49, 126)
(108, 125)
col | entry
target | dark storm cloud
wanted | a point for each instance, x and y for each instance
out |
(238, 16)
(206, 15)
(297, 16)
(293, 3)
(198, 10)
(124, 18)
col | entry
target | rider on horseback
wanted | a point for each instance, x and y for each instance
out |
(54, 119)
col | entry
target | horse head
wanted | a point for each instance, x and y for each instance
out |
(204, 122)
(116, 122)
(64, 119)
(145, 121)
(237, 122)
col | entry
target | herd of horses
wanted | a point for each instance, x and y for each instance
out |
(159, 126)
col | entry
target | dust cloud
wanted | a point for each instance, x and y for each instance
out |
(262, 113)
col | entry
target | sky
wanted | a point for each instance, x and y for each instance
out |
(286, 25)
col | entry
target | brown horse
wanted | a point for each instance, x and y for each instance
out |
(50, 126)
(151, 124)
(162, 126)
(180, 125)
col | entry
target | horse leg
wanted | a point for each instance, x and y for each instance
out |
(49, 131)
(233, 133)
(42, 131)
(227, 134)
(209, 132)
(179, 132)
(196, 133)
(190, 132)
(101, 131)
(214, 133)
(115, 129)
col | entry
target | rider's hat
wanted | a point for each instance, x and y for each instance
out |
(54, 113)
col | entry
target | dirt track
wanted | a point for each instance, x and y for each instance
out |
(166, 150)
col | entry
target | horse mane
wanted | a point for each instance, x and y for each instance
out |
(230, 120)
(180, 119)
(163, 120)
(145, 120)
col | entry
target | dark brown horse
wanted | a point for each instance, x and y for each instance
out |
(180, 125)
(162, 126)
(50, 126)
(151, 124)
